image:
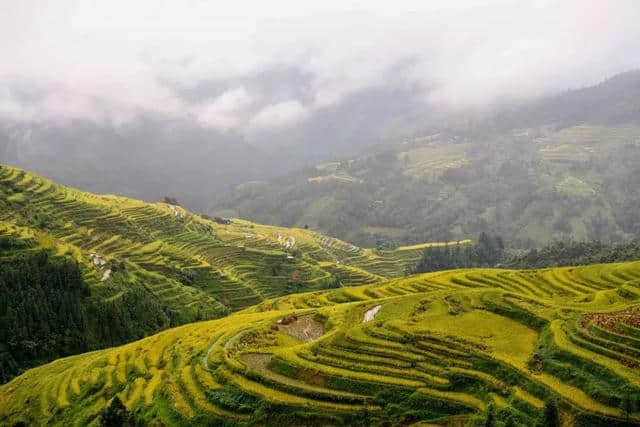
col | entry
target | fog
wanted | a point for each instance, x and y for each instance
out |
(325, 78)
(255, 66)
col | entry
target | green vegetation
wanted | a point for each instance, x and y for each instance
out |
(323, 332)
(487, 252)
(575, 253)
(47, 312)
(477, 346)
(129, 268)
(36, 293)
(530, 181)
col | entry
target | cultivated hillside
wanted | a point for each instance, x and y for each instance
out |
(184, 259)
(563, 167)
(148, 266)
(442, 346)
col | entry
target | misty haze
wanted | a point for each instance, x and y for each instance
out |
(332, 213)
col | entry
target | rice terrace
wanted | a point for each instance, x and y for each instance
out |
(443, 347)
(320, 213)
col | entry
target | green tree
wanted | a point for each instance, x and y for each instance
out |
(627, 405)
(550, 417)
(115, 415)
(490, 421)
(509, 422)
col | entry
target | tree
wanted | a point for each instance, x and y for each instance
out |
(550, 417)
(627, 405)
(490, 421)
(509, 422)
(487, 252)
(115, 415)
(46, 312)
(171, 201)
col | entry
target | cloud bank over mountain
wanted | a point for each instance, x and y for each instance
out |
(255, 68)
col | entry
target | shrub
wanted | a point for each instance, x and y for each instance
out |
(550, 417)
(115, 415)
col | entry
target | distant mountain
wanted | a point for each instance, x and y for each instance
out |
(153, 156)
(147, 159)
(614, 101)
(560, 167)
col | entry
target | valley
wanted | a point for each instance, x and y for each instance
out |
(542, 183)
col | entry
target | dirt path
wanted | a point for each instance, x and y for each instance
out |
(304, 329)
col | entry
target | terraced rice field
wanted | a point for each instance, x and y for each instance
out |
(201, 268)
(580, 143)
(440, 349)
(433, 158)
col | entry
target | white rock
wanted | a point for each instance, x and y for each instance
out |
(371, 313)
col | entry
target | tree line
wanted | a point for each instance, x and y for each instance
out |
(490, 251)
(47, 311)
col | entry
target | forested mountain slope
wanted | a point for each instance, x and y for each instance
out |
(443, 347)
(139, 267)
(143, 159)
(561, 167)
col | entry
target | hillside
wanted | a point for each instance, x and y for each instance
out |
(557, 168)
(237, 264)
(440, 346)
(135, 255)
(530, 186)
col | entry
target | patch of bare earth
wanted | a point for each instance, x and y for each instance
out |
(256, 361)
(304, 329)
(611, 321)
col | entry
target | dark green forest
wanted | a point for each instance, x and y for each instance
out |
(490, 251)
(487, 252)
(47, 311)
(565, 253)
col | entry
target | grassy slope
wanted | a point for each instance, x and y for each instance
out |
(457, 340)
(196, 266)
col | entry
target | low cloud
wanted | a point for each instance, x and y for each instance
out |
(112, 61)
(226, 111)
(279, 115)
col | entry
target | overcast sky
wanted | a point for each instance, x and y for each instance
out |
(252, 67)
